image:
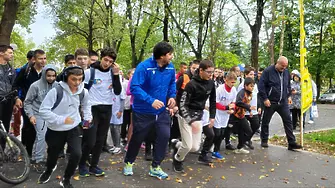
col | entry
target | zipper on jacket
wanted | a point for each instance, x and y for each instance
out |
(281, 85)
(270, 92)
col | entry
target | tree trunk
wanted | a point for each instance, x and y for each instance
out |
(8, 20)
(282, 34)
(318, 70)
(166, 23)
(254, 47)
(272, 36)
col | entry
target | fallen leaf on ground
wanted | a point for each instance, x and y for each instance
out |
(178, 180)
(58, 177)
(254, 162)
(272, 170)
(222, 177)
(168, 178)
(232, 167)
(261, 177)
(240, 174)
(76, 178)
(190, 169)
(211, 165)
(324, 178)
(289, 170)
(184, 174)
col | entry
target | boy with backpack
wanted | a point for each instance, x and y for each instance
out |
(35, 95)
(60, 110)
(103, 82)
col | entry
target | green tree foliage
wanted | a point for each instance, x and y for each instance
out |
(23, 46)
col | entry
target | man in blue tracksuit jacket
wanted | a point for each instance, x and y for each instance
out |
(275, 91)
(154, 89)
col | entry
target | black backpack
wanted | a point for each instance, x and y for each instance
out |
(59, 90)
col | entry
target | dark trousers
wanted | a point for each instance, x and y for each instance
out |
(126, 123)
(28, 133)
(227, 132)
(88, 142)
(254, 123)
(296, 113)
(6, 110)
(209, 133)
(150, 141)
(219, 135)
(284, 112)
(142, 125)
(243, 130)
(56, 141)
(175, 131)
(97, 135)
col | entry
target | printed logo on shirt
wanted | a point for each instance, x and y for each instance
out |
(97, 81)
(223, 98)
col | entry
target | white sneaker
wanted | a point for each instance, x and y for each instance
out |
(310, 122)
(242, 151)
(116, 150)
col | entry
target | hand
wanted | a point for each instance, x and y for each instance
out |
(118, 115)
(267, 103)
(251, 114)
(230, 111)
(69, 121)
(211, 123)
(196, 127)
(32, 120)
(314, 100)
(157, 104)
(289, 100)
(171, 103)
(116, 68)
(231, 105)
(18, 103)
(15, 109)
(253, 108)
(294, 91)
(86, 125)
(259, 110)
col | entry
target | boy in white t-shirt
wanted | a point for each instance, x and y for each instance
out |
(225, 98)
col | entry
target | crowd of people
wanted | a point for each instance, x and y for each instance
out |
(71, 113)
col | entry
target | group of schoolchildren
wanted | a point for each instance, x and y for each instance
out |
(74, 109)
(89, 98)
(215, 107)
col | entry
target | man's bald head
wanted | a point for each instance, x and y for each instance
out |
(281, 64)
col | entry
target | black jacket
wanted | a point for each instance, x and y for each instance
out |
(25, 78)
(194, 97)
(269, 85)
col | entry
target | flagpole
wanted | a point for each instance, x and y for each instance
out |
(302, 65)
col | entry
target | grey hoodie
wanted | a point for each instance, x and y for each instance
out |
(68, 107)
(37, 92)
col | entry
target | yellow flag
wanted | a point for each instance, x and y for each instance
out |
(306, 82)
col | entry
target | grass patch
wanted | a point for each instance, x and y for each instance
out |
(320, 142)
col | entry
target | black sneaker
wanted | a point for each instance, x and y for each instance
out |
(230, 147)
(249, 145)
(61, 155)
(177, 166)
(264, 144)
(45, 176)
(294, 146)
(204, 159)
(65, 183)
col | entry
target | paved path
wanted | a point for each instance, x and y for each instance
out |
(271, 167)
